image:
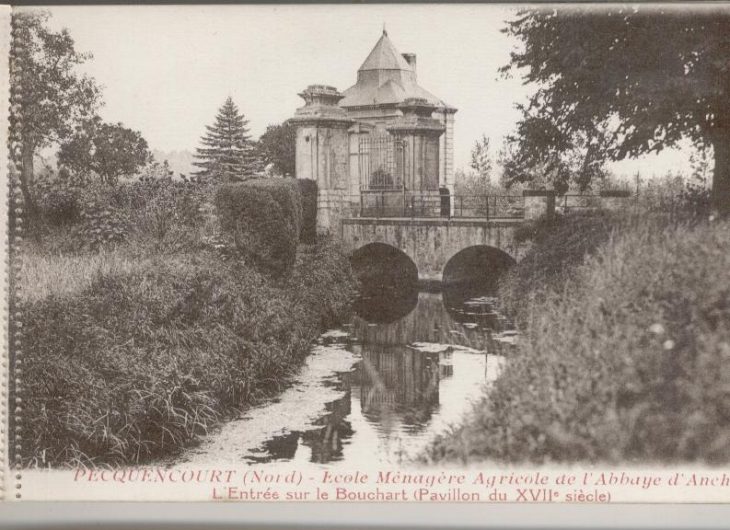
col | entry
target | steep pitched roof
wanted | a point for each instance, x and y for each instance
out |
(384, 56)
(385, 78)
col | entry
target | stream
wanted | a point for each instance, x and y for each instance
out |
(377, 390)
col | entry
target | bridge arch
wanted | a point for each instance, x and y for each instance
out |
(431, 243)
(386, 260)
(388, 280)
(482, 264)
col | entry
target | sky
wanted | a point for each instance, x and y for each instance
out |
(165, 70)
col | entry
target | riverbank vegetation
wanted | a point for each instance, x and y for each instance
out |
(145, 325)
(148, 306)
(625, 347)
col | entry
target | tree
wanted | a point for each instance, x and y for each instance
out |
(156, 171)
(50, 97)
(228, 152)
(575, 162)
(105, 149)
(700, 166)
(648, 75)
(481, 160)
(278, 146)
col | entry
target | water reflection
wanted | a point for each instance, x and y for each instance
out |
(386, 305)
(397, 385)
(377, 393)
(415, 374)
(327, 441)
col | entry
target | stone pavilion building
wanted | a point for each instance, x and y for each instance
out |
(384, 141)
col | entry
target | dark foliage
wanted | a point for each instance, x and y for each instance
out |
(227, 153)
(277, 146)
(58, 203)
(51, 97)
(559, 245)
(156, 211)
(625, 81)
(106, 150)
(263, 217)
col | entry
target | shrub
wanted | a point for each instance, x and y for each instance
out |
(558, 246)
(308, 192)
(62, 198)
(263, 217)
(102, 224)
(169, 213)
(58, 205)
(286, 193)
(323, 281)
(161, 211)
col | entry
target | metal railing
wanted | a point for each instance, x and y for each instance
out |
(403, 204)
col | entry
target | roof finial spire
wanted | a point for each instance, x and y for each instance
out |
(385, 32)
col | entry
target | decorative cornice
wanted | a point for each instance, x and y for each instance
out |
(320, 108)
(417, 119)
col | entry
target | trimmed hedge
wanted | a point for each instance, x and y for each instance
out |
(264, 217)
(286, 193)
(308, 192)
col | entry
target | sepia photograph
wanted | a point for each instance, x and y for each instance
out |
(404, 238)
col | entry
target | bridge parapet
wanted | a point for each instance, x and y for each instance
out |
(431, 242)
(430, 238)
(406, 204)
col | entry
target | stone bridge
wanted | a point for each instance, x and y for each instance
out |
(431, 243)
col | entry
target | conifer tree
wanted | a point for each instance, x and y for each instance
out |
(227, 154)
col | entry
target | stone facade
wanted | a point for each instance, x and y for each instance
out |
(539, 203)
(322, 151)
(384, 135)
(431, 243)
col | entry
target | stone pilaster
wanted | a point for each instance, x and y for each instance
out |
(448, 147)
(322, 151)
(420, 135)
(539, 203)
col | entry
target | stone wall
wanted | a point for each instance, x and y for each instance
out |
(431, 243)
(539, 203)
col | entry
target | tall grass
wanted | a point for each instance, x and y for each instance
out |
(625, 357)
(559, 245)
(47, 275)
(143, 360)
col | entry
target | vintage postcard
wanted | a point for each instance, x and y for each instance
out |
(367, 253)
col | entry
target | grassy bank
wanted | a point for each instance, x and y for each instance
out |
(145, 358)
(144, 328)
(626, 350)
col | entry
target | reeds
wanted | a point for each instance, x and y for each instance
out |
(130, 360)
